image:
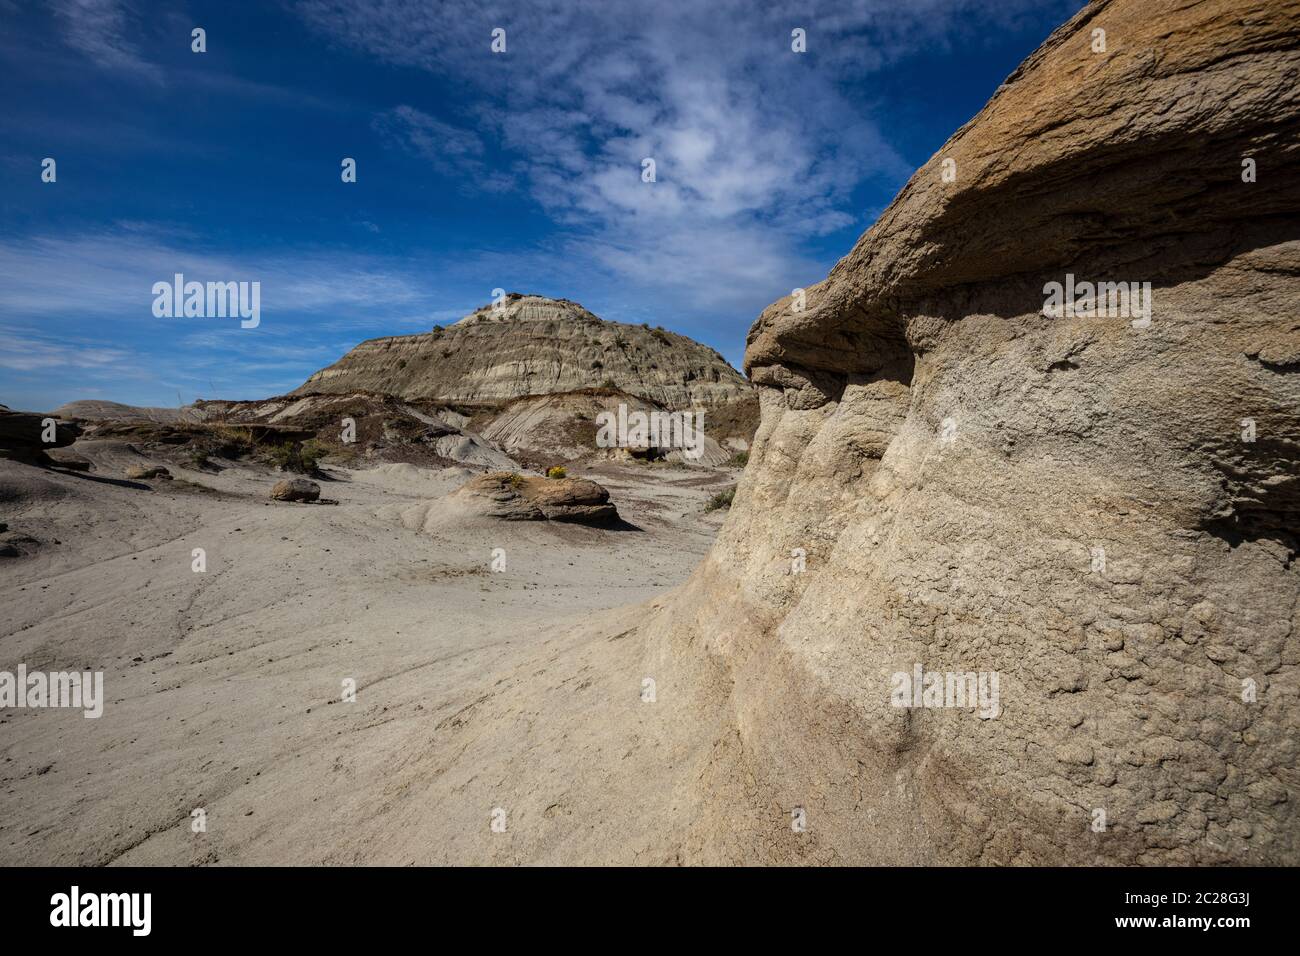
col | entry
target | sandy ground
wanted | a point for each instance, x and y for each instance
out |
(476, 690)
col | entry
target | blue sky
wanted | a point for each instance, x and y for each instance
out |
(475, 170)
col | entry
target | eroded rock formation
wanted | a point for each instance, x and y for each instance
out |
(532, 345)
(26, 436)
(1104, 514)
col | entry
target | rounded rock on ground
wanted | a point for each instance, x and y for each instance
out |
(295, 489)
(511, 497)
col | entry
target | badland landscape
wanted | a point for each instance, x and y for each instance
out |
(982, 552)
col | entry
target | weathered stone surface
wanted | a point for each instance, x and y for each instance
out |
(295, 489)
(1067, 502)
(535, 346)
(512, 497)
(22, 436)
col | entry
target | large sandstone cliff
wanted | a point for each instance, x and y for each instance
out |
(1073, 503)
(530, 345)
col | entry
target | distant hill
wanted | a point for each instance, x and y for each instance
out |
(531, 345)
(96, 410)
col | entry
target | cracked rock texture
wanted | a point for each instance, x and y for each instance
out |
(1072, 503)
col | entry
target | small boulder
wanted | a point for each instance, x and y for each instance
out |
(510, 497)
(140, 471)
(23, 436)
(295, 489)
(29, 429)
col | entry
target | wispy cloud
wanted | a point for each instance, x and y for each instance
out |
(78, 312)
(757, 149)
(99, 29)
(111, 273)
(451, 150)
(767, 162)
(25, 351)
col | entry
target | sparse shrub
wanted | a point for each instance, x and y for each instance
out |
(722, 499)
(516, 480)
(284, 456)
(312, 453)
(302, 458)
(232, 441)
(739, 460)
(556, 471)
(401, 363)
(608, 383)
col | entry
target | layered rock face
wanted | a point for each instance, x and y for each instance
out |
(529, 345)
(1098, 509)
(384, 425)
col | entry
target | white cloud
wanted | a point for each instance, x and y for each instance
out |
(78, 316)
(112, 274)
(455, 152)
(25, 351)
(757, 148)
(99, 30)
